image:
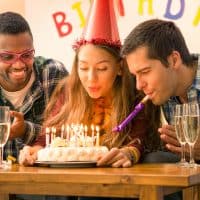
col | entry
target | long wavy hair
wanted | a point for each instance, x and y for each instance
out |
(77, 104)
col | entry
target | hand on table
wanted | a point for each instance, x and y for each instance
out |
(28, 155)
(115, 158)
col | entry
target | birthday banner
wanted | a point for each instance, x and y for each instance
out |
(56, 24)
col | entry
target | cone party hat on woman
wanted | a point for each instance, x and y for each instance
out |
(101, 27)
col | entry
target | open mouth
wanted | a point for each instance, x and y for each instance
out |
(18, 73)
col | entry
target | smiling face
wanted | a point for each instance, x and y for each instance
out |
(155, 79)
(14, 77)
(97, 70)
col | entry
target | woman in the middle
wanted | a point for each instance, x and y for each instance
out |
(100, 91)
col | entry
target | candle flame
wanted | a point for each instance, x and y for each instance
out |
(97, 128)
(92, 127)
(47, 130)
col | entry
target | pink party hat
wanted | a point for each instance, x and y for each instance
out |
(101, 27)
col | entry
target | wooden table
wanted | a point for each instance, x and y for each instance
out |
(146, 181)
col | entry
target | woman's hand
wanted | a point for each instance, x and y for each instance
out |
(28, 155)
(115, 158)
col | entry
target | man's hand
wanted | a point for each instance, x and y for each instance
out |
(168, 135)
(18, 126)
(197, 149)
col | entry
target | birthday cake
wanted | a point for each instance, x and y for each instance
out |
(62, 154)
(78, 147)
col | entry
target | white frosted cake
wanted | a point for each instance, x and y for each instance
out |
(62, 154)
(59, 150)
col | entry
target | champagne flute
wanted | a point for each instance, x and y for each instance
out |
(191, 126)
(4, 129)
(178, 122)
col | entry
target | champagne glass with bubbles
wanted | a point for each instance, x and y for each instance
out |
(191, 126)
(4, 129)
(178, 123)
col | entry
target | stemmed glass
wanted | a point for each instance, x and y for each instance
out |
(191, 124)
(4, 129)
(178, 123)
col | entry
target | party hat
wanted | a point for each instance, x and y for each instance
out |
(101, 27)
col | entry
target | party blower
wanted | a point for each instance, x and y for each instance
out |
(136, 110)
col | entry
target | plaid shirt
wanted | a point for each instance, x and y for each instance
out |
(193, 95)
(47, 74)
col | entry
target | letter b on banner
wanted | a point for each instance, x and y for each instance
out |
(63, 28)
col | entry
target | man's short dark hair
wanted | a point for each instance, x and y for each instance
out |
(160, 37)
(13, 23)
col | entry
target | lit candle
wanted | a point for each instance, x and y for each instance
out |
(47, 136)
(85, 135)
(53, 129)
(71, 130)
(85, 129)
(92, 127)
(97, 138)
(62, 131)
(67, 132)
(51, 134)
(81, 130)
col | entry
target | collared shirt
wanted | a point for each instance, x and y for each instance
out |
(193, 95)
(47, 74)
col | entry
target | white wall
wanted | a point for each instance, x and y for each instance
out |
(48, 42)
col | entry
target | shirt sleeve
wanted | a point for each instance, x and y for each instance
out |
(31, 131)
(41, 139)
(137, 134)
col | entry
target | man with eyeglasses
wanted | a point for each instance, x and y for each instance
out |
(26, 82)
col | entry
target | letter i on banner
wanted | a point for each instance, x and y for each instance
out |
(77, 6)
